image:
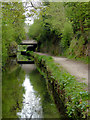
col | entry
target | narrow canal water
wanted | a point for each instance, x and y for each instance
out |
(25, 93)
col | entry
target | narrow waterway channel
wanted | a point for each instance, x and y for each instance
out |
(25, 93)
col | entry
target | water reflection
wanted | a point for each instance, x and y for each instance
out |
(37, 102)
(25, 94)
(48, 106)
(12, 91)
(31, 104)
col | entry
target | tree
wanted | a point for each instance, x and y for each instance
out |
(12, 25)
(60, 24)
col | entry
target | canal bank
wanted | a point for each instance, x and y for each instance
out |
(71, 96)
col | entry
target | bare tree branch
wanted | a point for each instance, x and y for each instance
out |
(26, 5)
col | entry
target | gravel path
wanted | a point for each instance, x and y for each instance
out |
(79, 70)
(75, 68)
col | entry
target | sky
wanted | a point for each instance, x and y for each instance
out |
(36, 3)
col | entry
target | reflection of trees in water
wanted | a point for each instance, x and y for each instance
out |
(12, 91)
(11, 64)
(39, 85)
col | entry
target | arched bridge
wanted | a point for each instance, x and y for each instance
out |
(29, 45)
(23, 47)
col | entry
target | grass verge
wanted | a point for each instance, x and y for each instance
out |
(76, 97)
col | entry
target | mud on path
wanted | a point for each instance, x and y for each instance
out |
(75, 68)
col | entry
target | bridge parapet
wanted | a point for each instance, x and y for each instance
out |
(28, 42)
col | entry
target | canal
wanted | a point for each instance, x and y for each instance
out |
(25, 93)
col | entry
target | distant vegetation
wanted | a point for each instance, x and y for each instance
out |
(12, 26)
(62, 29)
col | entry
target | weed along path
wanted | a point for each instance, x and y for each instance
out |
(75, 68)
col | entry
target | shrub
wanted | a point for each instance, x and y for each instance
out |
(67, 34)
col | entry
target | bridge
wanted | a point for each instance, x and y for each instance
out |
(28, 42)
(23, 47)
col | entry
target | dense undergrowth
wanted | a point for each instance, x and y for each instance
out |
(63, 29)
(76, 95)
(12, 28)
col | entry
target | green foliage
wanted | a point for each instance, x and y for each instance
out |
(67, 33)
(21, 57)
(78, 50)
(58, 24)
(22, 47)
(55, 16)
(78, 13)
(12, 25)
(76, 96)
(35, 29)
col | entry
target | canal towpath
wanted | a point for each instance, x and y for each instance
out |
(75, 68)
